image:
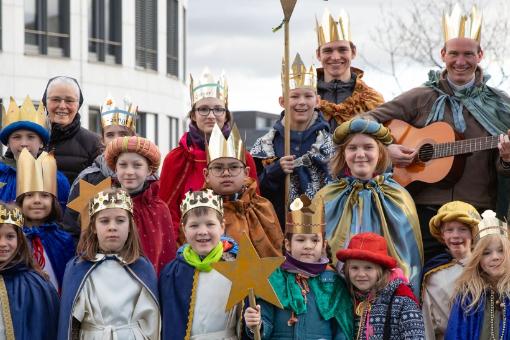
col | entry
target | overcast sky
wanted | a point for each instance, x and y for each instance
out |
(236, 35)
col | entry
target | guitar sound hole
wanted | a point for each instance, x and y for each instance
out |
(425, 153)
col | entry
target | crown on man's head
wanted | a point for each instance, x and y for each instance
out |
(110, 199)
(206, 86)
(113, 114)
(457, 25)
(204, 198)
(491, 225)
(299, 77)
(219, 147)
(332, 30)
(36, 174)
(305, 216)
(11, 215)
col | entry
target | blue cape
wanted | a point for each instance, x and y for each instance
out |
(468, 326)
(77, 272)
(33, 303)
(58, 244)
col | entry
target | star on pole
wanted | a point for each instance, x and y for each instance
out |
(81, 203)
(249, 272)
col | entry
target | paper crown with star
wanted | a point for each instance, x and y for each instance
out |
(203, 198)
(11, 215)
(491, 225)
(110, 199)
(305, 216)
(36, 174)
(299, 76)
(458, 25)
(219, 147)
(329, 29)
(24, 117)
(206, 86)
(114, 114)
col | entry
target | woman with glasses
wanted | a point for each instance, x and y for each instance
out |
(183, 168)
(75, 147)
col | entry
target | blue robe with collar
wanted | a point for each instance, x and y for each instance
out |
(33, 303)
(58, 245)
(76, 273)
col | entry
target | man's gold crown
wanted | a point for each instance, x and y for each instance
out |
(457, 25)
(332, 30)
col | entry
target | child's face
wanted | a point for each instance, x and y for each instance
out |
(363, 274)
(457, 237)
(37, 206)
(306, 248)
(112, 228)
(302, 102)
(225, 176)
(203, 232)
(492, 258)
(22, 138)
(362, 155)
(8, 241)
(113, 131)
(132, 170)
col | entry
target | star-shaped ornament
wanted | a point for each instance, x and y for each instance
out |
(81, 203)
(249, 272)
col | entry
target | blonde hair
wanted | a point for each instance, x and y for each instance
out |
(473, 281)
(383, 277)
(338, 163)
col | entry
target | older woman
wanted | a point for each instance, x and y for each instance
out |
(75, 147)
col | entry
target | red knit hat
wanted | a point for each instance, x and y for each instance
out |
(367, 247)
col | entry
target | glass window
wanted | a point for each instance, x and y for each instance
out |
(105, 31)
(95, 119)
(146, 39)
(172, 36)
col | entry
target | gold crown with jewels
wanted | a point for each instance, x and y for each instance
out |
(219, 147)
(110, 199)
(11, 215)
(491, 225)
(206, 86)
(305, 216)
(204, 198)
(299, 77)
(332, 30)
(113, 114)
(457, 25)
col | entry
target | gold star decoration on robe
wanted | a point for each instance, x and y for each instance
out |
(249, 271)
(81, 203)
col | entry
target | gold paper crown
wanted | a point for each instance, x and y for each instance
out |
(11, 215)
(457, 25)
(491, 225)
(36, 174)
(111, 114)
(305, 217)
(299, 77)
(219, 147)
(204, 198)
(26, 112)
(108, 200)
(331, 30)
(207, 87)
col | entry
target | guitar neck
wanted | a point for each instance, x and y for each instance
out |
(465, 146)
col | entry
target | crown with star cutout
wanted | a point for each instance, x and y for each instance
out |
(204, 198)
(110, 199)
(11, 215)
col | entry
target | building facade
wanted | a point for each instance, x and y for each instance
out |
(133, 48)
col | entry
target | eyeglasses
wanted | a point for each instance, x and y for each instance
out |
(233, 170)
(58, 100)
(217, 111)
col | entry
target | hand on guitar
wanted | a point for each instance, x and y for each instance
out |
(401, 156)
(504, 147)
(287, 164)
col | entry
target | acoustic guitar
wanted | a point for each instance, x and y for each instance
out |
(439, 156)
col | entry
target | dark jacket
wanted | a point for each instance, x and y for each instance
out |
(75, 147)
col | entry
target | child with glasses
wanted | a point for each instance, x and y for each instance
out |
(310, 144)
(244, 210)
(183, 167)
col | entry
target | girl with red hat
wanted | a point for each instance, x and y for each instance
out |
(385, 306)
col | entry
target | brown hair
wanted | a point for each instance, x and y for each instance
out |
(55, 213)
(383, 277)
(200, 211)
(338, 163)
(327, 250)
(88, 246)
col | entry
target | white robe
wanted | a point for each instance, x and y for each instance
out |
(112, 305)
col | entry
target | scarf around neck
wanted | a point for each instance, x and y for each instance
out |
(293, 265)
(205, 264)
(197, 136)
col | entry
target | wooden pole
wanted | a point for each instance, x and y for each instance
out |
(253, 304)
(288, 8)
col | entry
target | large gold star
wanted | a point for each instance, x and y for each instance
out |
(249, 271)
(81, 203)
